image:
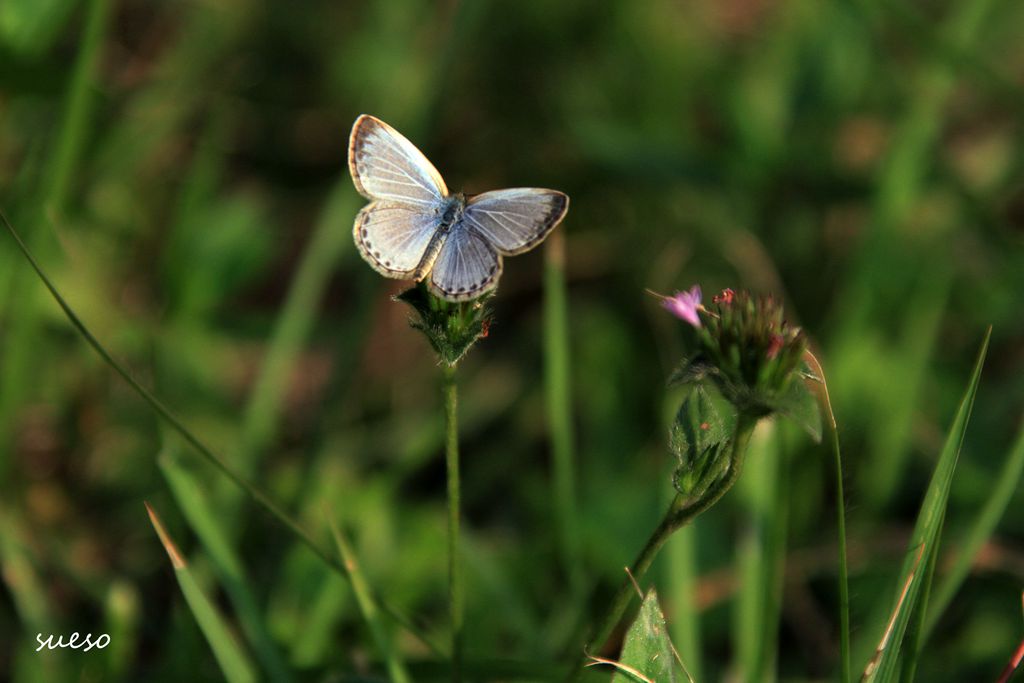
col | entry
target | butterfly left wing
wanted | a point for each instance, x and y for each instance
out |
(516, 220)
(467, 266)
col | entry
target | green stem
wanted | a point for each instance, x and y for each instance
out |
(178, 426)
(455, 595)
(678, 515)
(844, 588)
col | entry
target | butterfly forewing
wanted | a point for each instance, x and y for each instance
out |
(385, 165)
(393, 237)
(466, 267)
(516, 220)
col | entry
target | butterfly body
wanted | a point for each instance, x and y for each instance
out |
(413, 228)
(449, 215)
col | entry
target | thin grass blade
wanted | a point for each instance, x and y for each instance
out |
(226, 562)
(924, 542)
(820, 385)
(233, 660)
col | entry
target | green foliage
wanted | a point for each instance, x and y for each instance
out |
(700, 441)
(179, 170)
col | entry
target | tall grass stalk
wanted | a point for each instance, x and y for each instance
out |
(557, 380)
(451, 450)
(677, 516)
(844, 582)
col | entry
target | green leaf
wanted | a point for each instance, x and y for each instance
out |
(647, 650)
(698, 425)
(919, 562)
(699, 438)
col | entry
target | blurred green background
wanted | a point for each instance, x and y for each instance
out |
(180, 170)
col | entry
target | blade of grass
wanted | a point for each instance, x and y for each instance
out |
(557, 382)
(368, 606)
(925, 540)
(230, 570)
(1004, 486)
(200, 447)
(821, 386)
(233, 660)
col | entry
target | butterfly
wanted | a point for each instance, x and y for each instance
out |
(414, 229)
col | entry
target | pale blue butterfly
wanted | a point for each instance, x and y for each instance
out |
(413, 228)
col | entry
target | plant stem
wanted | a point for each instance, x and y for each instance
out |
(455, 597)
(678, 515)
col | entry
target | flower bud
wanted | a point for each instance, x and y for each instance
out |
(451, 328)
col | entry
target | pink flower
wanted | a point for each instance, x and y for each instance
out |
(685, 305)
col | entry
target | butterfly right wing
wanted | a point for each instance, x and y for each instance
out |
(386, 166)
(393, 237)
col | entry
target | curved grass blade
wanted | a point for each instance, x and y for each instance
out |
(178, 426)
(909, 609)
(230, 570)
(233, 660)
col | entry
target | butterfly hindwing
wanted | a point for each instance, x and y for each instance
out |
(393, 237)
(518, 219)
(467, 266)
(386, 166)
